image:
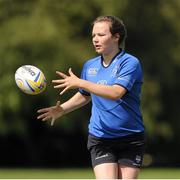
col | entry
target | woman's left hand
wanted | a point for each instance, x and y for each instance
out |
(67, 82)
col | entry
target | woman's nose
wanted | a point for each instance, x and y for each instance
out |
(95, 39)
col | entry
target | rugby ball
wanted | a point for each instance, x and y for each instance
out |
(30, 79)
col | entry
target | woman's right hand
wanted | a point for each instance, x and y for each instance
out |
(51, 113)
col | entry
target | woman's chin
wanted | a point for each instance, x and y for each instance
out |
(99, 51)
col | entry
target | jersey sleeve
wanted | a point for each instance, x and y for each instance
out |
(128, 73)
(83, 76)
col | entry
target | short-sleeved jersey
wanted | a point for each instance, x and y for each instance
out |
(121, 117)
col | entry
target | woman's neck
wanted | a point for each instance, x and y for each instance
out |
(108, 57)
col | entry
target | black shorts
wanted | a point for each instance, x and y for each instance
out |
(128, 150)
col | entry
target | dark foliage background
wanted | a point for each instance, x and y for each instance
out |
(55, 35)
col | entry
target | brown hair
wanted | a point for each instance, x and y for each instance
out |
(117, 27)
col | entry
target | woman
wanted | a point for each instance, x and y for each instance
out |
(112, 81)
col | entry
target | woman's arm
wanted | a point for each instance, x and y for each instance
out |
(54, 112)
(110, 92)
(72, 82)
(77, 101)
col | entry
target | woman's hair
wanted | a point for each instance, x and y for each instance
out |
(117, 27)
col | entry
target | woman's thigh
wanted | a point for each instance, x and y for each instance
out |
(106, 171)
(126, 172)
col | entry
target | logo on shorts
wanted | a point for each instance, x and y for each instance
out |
(103, 156)
(138, 159)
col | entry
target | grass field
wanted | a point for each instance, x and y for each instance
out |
(158, 173)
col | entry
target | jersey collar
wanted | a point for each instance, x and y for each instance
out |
(120, 53)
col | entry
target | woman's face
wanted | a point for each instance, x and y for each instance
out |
(102, 39)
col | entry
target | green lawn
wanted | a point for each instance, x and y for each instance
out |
(147, 173)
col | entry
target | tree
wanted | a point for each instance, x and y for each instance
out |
(55, 35)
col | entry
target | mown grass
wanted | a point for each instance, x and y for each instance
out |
(148, 173)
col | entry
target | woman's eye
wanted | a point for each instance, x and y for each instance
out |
(101, 34)
(96, 35)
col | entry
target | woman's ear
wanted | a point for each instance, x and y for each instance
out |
(117, 36)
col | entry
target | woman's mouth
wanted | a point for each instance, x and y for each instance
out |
(97, 46)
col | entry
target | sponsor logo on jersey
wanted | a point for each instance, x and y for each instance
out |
(104, 82)
(114, 71)
(92, 71)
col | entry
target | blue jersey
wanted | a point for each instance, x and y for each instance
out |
(115, 118)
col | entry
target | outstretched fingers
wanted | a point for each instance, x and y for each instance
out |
(70, 71)
(52, 121)
(58, 103)
(44, 116)
(43, 110)
(64, 90)
(49, 113)
(61, 74)
(60, 86)
(58, 81)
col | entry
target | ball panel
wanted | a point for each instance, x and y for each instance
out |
(20, 83)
